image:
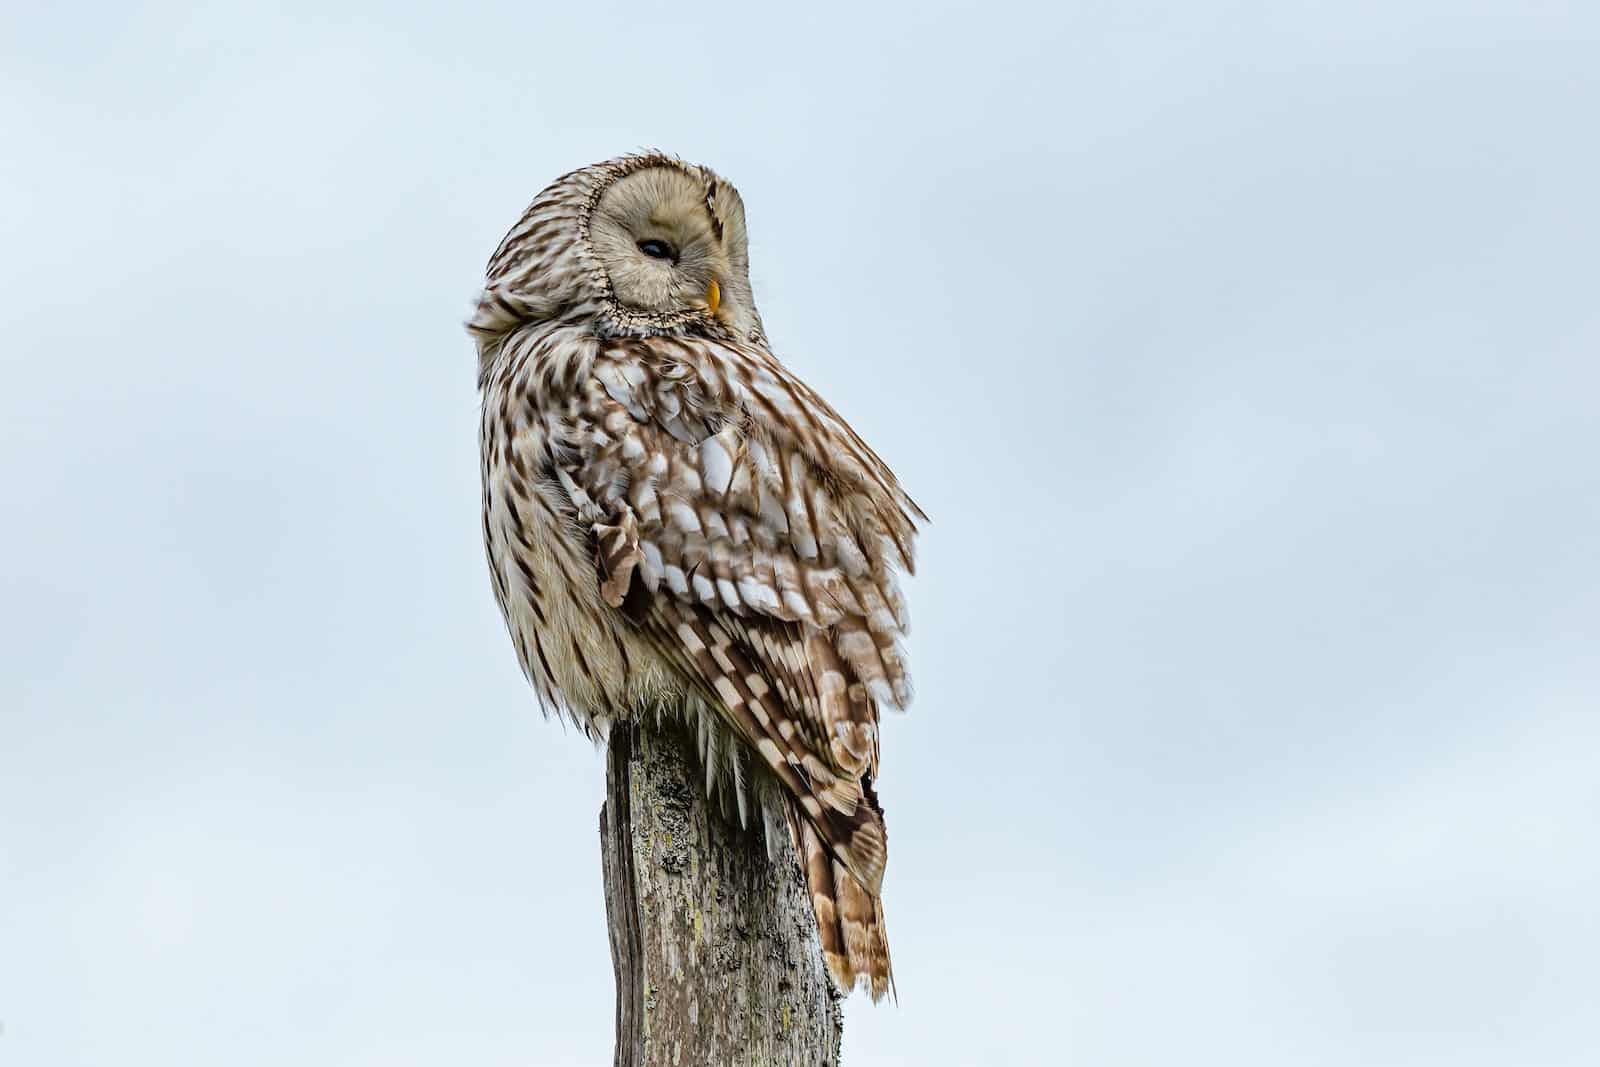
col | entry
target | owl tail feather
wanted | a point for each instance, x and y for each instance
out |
(849, 918)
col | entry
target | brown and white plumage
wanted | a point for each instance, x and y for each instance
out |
(676, 523)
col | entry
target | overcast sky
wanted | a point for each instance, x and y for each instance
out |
(1245, 356)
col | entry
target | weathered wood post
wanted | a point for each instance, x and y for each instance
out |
(715, 946)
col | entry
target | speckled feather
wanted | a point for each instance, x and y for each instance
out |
(676, 523)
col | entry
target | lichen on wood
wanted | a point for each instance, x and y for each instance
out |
(713, 941)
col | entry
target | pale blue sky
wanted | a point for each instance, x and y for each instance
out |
(1245, 356)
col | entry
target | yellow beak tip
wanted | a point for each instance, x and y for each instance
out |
(713, 296)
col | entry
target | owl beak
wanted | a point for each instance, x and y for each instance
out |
(713, 296)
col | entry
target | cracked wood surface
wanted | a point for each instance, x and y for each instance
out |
(714, 945)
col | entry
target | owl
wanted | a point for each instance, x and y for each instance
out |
(677, 525)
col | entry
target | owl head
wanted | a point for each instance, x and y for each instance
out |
(639, 245)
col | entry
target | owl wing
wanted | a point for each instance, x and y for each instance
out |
(742, 524)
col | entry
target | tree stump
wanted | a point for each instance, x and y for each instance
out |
(714, 944)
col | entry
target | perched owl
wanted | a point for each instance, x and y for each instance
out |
(676, 524)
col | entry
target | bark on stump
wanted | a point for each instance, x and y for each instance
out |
(714, 945)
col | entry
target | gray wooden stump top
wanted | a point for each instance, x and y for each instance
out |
(714, 944)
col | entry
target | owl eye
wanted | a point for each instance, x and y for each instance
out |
(658, 250)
